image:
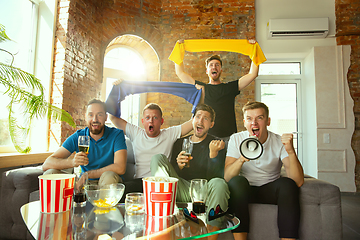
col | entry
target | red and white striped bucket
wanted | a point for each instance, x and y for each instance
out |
(56, 192)
(160, 195)
(55, 226)
(159, 227)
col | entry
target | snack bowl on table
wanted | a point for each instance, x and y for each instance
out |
(105, 196)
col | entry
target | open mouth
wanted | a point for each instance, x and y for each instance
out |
(256, 131)
(199, 128)
(95, 125)
(151, 128)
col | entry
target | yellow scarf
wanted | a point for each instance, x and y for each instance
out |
(228, 45)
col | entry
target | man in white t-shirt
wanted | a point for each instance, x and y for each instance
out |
(149, 141)
(259, 181)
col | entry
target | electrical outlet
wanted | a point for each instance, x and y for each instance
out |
(326, 137)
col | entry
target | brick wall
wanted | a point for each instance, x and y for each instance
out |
(348, 33)
(77, 62)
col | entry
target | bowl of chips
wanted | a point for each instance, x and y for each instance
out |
(105, 196)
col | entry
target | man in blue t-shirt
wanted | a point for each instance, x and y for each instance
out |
(106, 159)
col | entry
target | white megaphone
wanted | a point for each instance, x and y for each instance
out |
(251, 148)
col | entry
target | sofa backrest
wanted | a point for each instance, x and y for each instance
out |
(130, 164)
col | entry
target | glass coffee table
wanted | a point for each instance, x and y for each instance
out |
(115, 224)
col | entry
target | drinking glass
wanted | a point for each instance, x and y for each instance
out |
(134, 203)
(187, 147)
(198, 193)
(79, 189)
(84, 144)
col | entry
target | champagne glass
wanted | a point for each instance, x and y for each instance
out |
(187, 147)
(198, 194)
(84, 144)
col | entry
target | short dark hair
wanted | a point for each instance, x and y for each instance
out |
(256, 105)
(94, 100)
(153, 106)
(213, 57)
(207, 108)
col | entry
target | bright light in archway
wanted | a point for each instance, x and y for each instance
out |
(126, 60)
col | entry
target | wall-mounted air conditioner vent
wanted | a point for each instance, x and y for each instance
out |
(298, 28)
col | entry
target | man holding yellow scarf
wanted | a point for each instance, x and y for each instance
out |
(220, 96)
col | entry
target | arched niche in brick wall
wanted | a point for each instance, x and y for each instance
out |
(132, 53)
(144, 49)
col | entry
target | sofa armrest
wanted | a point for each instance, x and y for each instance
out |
(16, 187)
(320, 206)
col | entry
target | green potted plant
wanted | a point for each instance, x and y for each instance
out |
(26, 90)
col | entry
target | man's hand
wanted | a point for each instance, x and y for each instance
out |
(287, 140)
(252, 41)
(215, 146)
(198, 86)
(180, 41)
(182, 159)
(80, 158)
(117, 82)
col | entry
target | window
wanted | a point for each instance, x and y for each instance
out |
(279, 88)
(122, 62)
(279, 69)
(30, 23)
(19, 18)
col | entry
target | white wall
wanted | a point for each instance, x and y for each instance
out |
(293, 48)
(309, 117)
(335, 117)
(337, 168)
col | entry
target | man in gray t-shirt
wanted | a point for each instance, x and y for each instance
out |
(259, 181)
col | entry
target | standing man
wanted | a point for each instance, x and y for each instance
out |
(149, 141)
(259, 181)
(206, 162)
(106, 159)
(220, 96)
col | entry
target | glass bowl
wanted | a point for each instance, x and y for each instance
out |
(105, 196)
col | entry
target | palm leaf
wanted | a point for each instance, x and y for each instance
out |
(3, 36)
(17, 134)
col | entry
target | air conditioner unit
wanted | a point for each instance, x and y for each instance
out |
(298, 28)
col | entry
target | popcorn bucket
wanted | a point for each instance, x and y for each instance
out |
(159, 227)
(159, 195)
(56, 192)
(55, 226)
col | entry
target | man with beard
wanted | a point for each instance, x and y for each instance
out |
(106, 159)
(259, 181)
(149, 141)
(220, 96)
(206, 162)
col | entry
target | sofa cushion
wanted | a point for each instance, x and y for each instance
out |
(16, 186)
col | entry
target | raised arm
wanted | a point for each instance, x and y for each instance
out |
(292, 164)
(253, 73)
(180, 71)
(248, 78)
(118, 122)
(186, 127)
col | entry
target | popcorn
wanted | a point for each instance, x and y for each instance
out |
(106, 202)
(157, 179)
